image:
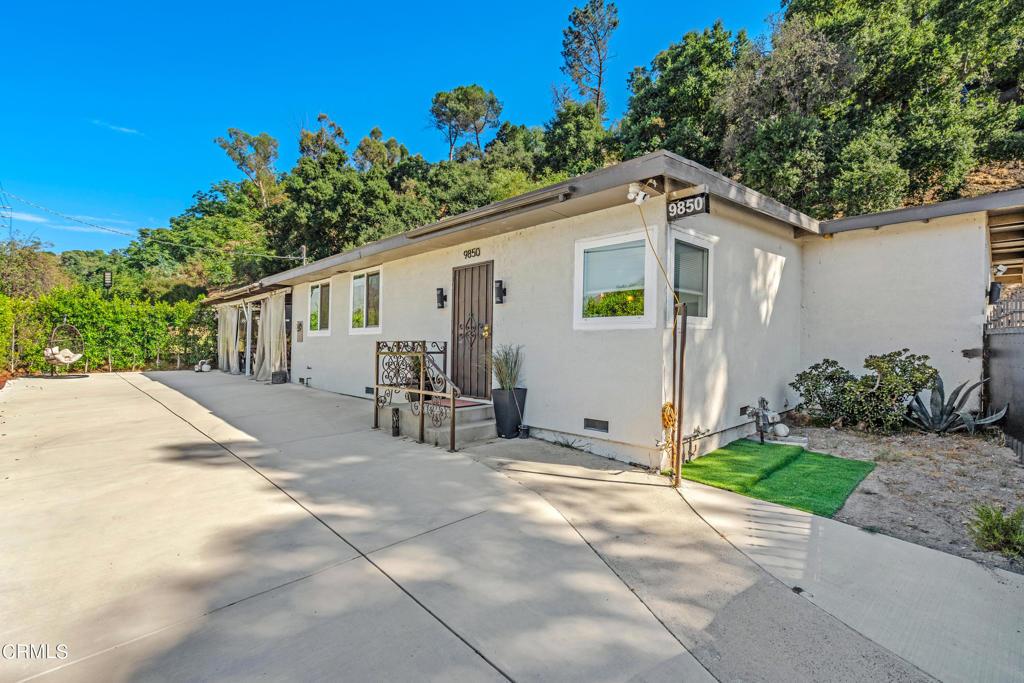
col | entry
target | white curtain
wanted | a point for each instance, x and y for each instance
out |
(262, 369)
(224, 339)
(232, 338)
(276, 334)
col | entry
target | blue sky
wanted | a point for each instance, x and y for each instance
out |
(110, 109)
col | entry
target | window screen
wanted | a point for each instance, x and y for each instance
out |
(691, 278)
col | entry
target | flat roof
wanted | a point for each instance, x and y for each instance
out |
(594, 191)
(1005, 200)
(582, 194)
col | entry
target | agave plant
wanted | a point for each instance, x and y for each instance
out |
(948, 416)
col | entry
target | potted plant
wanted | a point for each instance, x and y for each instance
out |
(509, 399)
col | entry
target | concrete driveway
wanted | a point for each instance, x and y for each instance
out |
(177, 526)
(203, 526)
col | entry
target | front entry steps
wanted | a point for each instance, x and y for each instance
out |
(474, 422)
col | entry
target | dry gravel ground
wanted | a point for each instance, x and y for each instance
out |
(924, 487)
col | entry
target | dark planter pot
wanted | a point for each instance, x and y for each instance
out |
(506, 414)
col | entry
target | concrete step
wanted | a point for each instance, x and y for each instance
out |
(472, 424)
(465, 433)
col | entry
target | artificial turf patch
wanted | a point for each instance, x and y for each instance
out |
(788, 475)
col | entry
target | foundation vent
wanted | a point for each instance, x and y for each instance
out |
(369, 390)
(595, 425)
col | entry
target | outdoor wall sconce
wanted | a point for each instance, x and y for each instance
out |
(441, 297)
(499, 291)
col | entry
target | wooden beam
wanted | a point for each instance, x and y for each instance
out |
(1007, 220)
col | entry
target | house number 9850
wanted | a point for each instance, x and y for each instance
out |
(471, 253)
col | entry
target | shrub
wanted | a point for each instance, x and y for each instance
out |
(126, 333)
(6, 329)
(821, 387)
(878, 400)
(612, 304)
(991, 529)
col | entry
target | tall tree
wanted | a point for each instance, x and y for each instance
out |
(782, 104)
(27, 269)
(585, 49)
(463, 110)
(575, 142)
(480, 109)
(254, 155)
(446, 115)
(329, 205)
(674, 103)
(375, 152)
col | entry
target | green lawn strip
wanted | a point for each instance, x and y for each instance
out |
(814, 482)
(788, 475)
(740, 465)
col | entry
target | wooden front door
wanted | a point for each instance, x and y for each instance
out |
(472, 305)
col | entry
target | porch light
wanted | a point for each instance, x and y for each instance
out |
(441, 297)
(499, 291)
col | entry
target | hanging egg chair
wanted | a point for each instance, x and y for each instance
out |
(65, 345)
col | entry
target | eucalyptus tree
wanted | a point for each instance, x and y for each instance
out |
(254, 155)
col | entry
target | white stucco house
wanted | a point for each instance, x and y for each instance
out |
(579, 274)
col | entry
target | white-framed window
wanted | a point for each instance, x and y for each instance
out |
(364, 312)
(691, 255)
(319, 320)
(615, 283)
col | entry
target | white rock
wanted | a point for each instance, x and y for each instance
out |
(781, 430)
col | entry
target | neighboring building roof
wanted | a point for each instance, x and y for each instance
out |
(995, 202)
(589, 192)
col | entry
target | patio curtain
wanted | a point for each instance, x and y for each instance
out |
(231, 337)
(224, 341)
(276, 334)
(262, 371)
(271, 340)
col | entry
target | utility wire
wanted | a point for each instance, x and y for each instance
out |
(140, 236)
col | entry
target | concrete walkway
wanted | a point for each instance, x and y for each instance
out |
(181, 526)
(952, 617)
(739, 621)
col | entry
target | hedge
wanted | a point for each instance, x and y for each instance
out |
(119, 333)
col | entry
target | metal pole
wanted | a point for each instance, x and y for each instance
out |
(675, 345)
(423, 372)
(678, 474)
(248, 339)
(376, 381)
(451, 425)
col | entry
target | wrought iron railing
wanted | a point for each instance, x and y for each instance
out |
(410, 369)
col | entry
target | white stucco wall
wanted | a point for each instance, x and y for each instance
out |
(915, 285)
(750, 349)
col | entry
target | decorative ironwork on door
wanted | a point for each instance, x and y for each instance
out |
(472, 307)
(469, 330)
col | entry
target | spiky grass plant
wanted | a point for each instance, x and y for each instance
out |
(507, 365)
